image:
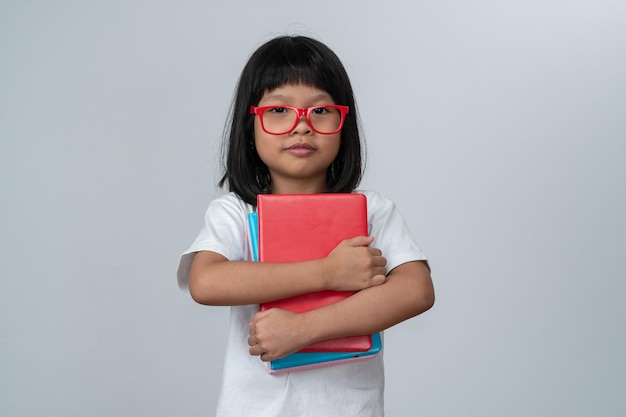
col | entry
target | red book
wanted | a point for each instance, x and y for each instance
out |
(302, 227)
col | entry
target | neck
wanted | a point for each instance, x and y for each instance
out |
(298, 187)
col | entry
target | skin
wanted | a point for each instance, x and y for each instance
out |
(297, 162)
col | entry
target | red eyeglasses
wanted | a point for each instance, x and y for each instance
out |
(279, 120)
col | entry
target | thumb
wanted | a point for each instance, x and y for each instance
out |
(257, 316)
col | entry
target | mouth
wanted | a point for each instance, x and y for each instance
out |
(301, 145)
(300, 149)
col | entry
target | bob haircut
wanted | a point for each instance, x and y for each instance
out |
(288, 60)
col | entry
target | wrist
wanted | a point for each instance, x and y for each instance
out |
(311, 330)
(325, 274)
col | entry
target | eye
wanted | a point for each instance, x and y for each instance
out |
(320, 110)
(278, 110)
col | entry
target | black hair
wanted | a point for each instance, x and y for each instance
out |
(282, 61)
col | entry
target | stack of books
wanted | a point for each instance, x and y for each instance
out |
(301, 227)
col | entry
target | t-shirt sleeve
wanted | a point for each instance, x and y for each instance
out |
(224, 231)
(391, 233)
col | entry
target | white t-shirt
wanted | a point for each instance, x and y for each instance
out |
(350, 389)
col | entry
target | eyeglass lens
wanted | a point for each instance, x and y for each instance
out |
(280, 120)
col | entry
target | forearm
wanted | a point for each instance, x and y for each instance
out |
(351, 266)
(407, 293)
(213, 280)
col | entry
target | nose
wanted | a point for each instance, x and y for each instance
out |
(302, 126)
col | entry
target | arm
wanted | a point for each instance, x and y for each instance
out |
(408, 292)
(351, 266)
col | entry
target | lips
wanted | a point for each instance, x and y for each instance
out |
(300, 149)
(301, 145)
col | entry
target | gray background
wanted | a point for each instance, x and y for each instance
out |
(498, 127)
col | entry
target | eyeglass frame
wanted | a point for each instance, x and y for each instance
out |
(343, 110)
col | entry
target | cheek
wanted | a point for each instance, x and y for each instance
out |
(265, 146)
(259, 136)
(334, 145)
(257, 129)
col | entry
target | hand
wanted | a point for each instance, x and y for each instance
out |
(354, 266)
(275, 333)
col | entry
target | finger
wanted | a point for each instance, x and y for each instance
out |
(380, 261)
(360, 241)
(252, 340)
(379, 279)
(380, 270)
(260, 315)
(255, 351)
(375, 251)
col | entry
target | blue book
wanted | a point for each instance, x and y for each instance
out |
(253, 226)
(307, 360)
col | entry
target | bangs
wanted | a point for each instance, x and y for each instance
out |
(295, 63)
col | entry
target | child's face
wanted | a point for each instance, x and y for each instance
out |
(297, 160)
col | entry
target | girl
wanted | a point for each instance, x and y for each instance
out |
(295, 131)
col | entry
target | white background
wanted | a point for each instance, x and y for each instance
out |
(498, 127)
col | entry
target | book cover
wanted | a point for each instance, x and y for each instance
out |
(293, 228)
